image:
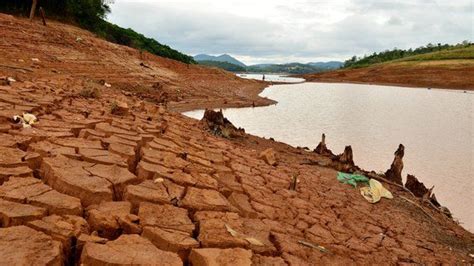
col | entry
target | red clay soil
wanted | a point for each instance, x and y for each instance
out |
(110, 178)
(65, 52)
(446, 74)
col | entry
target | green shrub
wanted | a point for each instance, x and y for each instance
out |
(90, 93)
(429, 52)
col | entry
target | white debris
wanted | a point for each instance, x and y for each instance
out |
(35, 59)
(30, 118)
(26, 120)
(107, 85)
(159, 180)
(10, 79)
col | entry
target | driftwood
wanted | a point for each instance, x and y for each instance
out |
(419, 207)
(293, 183)
(16, 67)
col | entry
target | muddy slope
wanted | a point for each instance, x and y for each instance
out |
(446, 74)
(65, 52)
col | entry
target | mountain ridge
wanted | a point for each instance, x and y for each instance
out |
(232, 64)
(220, 58)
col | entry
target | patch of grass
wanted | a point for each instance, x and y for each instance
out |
(462, 53)
(114, 107)
(90, 93)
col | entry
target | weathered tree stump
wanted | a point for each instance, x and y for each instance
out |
(395, 172)
(43, 15)
(33, 9)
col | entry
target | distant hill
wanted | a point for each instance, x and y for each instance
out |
(221, 58)
(450, 68)
(223, 65)
(399, 54)
(295, 68)
(291, 68)
(230, 63)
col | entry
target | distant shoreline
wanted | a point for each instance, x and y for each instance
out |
(452, 75)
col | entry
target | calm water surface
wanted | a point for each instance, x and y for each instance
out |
(436, 127)
(272, 77)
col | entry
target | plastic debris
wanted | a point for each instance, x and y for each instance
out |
(35, 59)
(78, 39)
(251, 240)
(375, 191)
(231, 231)
(26, 119)
(107, 85)
(254, 241)
(10, 79)
(158, 180)
(351, 179)
(311, 245)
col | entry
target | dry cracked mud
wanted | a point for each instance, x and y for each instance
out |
(150, 186)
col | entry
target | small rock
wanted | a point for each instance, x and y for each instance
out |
(269, 156)
(119, 108)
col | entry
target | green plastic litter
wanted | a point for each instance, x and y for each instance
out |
(351, 179)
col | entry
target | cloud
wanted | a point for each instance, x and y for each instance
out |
(301, 30)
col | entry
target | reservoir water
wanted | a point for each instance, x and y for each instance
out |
(272, 78)
(436, 127)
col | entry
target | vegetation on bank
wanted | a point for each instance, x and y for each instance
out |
(451, 54)
(292, 68)
(464, 50)
(90, 14)
(223, 65)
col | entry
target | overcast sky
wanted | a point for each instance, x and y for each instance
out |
(279, 31)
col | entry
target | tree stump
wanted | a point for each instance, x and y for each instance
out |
(33, 9)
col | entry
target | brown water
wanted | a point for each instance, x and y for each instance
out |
(436, 127)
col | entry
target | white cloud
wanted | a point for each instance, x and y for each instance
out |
(258, 31)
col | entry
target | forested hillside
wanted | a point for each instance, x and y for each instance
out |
(395, 54)
(223, 65)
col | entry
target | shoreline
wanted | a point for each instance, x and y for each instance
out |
(257, 101)
(436, 74)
